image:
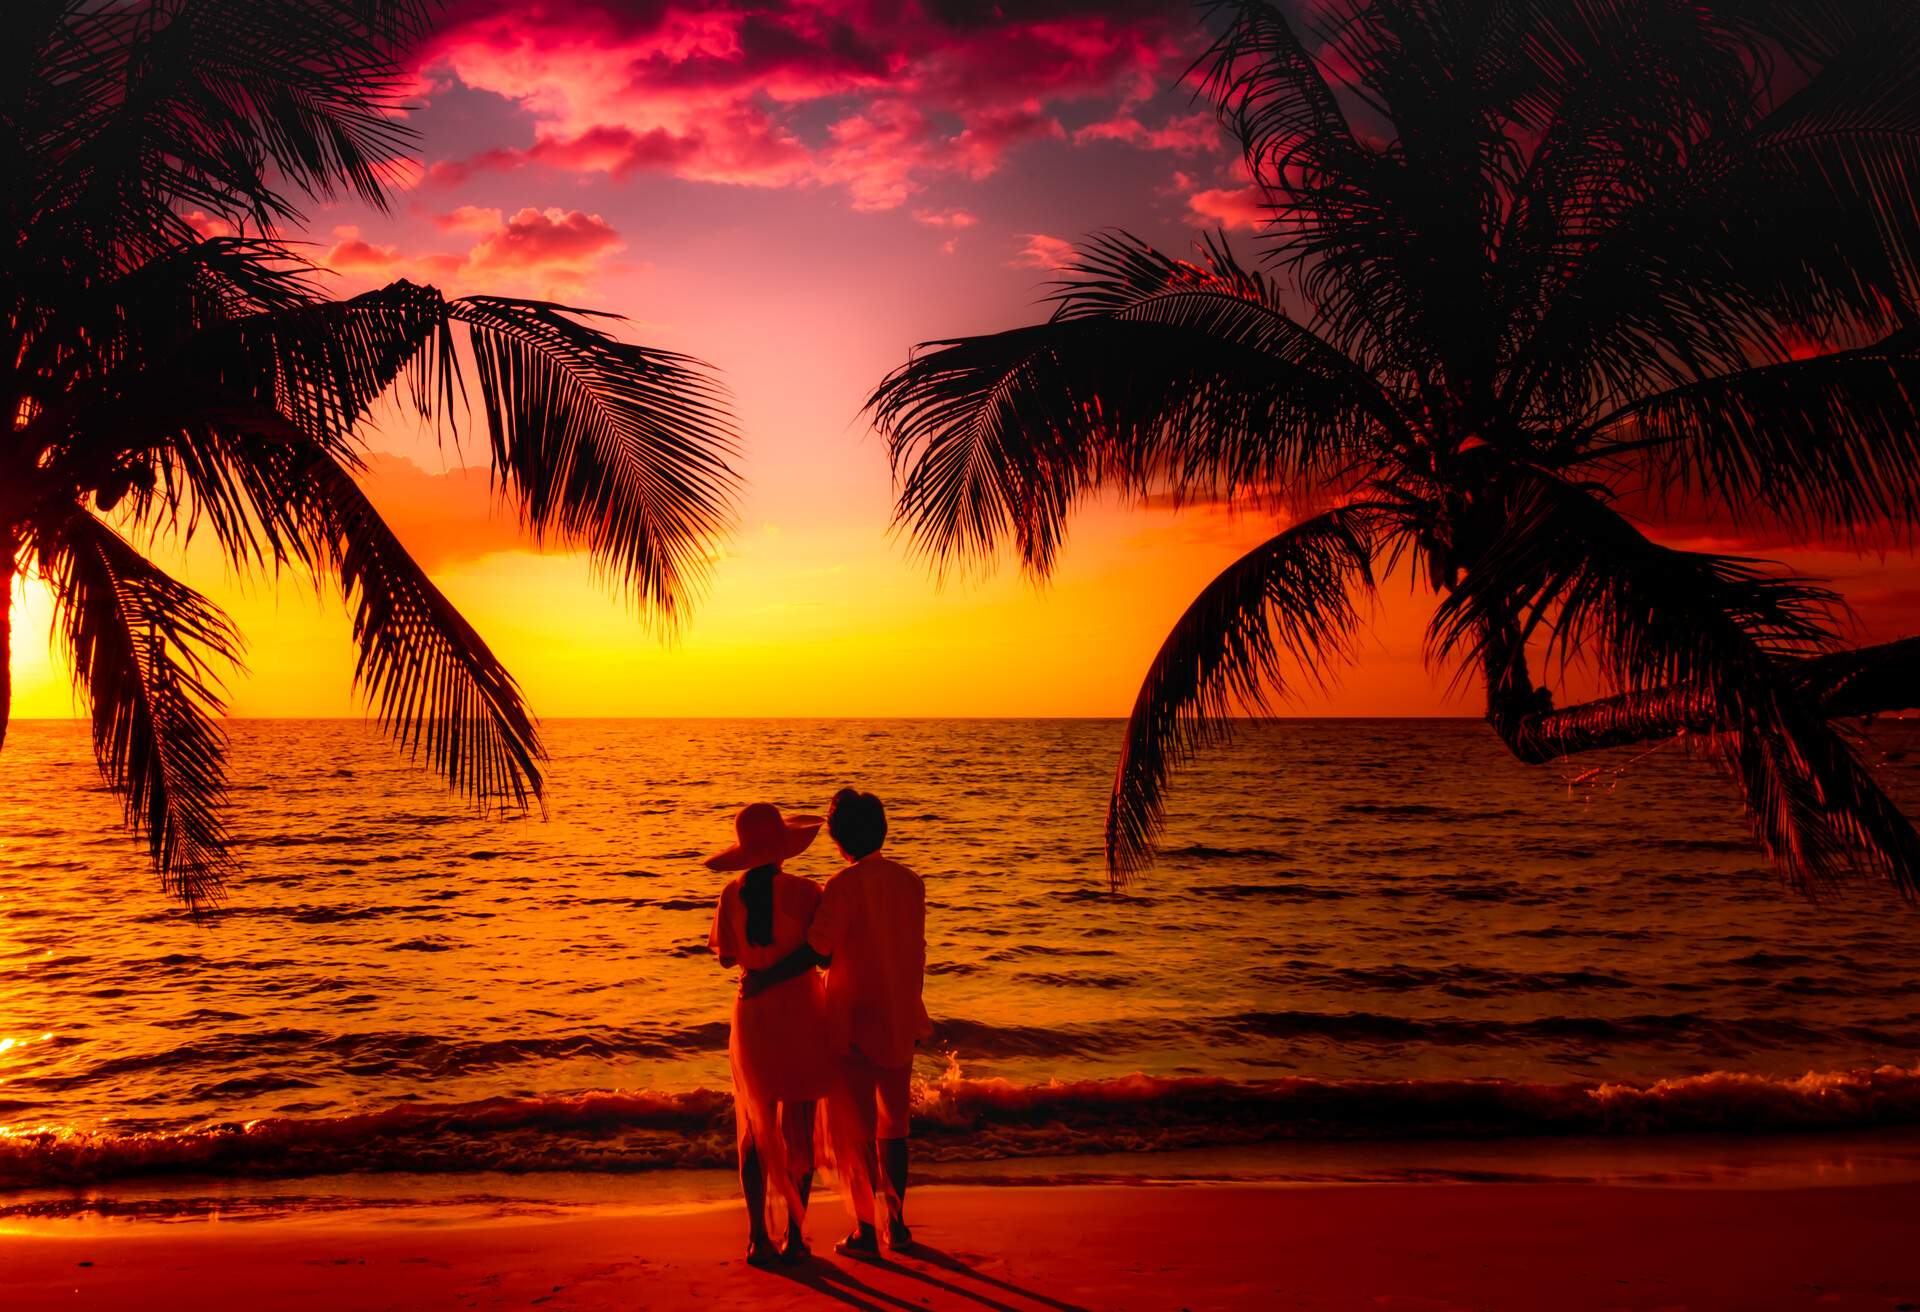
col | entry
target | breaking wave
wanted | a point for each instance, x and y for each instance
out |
(961, 1119)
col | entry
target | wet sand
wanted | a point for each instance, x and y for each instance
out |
(1034, 1249)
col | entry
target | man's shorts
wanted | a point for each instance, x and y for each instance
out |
(887, 1088)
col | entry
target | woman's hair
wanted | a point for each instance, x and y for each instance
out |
(756, 891)
(858, 822)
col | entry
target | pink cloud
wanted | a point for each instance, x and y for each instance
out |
(881, 154)
(353, 255)
(875, 153)
(551, 246)
(1188, 134)
(875, 96)
(549, 252)
(468, 218)
(404, 174)
(445, 519)
(737, 150)
(1229, 207)
(946, 218)
(992, 132)
(1043, 252)
(207, 225)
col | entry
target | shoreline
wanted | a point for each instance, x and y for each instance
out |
(962, 1122)
(1012, 1248)
(1799, 1159)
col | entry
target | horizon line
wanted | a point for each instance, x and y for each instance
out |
(556, 719)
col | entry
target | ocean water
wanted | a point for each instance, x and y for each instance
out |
(1361, 929)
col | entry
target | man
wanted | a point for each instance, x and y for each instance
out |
(870, 932)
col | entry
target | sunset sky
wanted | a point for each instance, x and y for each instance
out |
(797, 193)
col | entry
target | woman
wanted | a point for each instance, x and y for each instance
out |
(781, 1065)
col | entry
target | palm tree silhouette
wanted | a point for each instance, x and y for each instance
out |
(1534, 259)
(162, 383)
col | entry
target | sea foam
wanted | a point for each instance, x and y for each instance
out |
(963, 1119)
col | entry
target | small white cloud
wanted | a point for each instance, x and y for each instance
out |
(1043, 252)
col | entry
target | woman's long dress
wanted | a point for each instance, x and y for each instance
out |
(779, 1043)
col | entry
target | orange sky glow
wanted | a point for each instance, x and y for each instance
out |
(746, 186)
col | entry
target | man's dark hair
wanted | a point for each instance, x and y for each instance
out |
(858, 822)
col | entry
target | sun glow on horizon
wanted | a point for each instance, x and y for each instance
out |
(803, 255)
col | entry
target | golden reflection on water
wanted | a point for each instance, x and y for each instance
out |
(1341, 899)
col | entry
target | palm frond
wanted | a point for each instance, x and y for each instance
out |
(1118, 275)
(1821, 444)
(619, 448)
(1699, 242)
(323, 364)
(1269, 90)
(251, 427)
(1853, 132)
(143, 647)
(1288, 602)
(164, 368)
(1571, 566)
(177, 382)
(1154, 374)
(436, 686)
(1335, 195)
(142, 110)
(83, 341)
(320, 83)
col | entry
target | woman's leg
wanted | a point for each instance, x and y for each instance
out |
(796, 1126)
(753, 1184)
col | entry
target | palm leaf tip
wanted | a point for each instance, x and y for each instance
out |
(144, 647)
(623, 449)
(1286, 606)
(426, 672)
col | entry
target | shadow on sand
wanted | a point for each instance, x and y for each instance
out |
(844, 1285)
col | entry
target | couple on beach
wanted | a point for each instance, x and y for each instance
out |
(826, 1020)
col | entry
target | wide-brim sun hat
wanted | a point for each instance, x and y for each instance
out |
(764, 837)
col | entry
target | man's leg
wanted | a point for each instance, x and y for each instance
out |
(894, 1089)
(893, 1167)
(852, 1111)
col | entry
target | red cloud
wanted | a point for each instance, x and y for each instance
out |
(876, 96)
(743, 147)
(991, 132)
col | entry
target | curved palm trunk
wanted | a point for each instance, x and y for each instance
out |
(1866, 681)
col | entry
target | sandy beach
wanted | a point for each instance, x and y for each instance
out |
(1019, 1249)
